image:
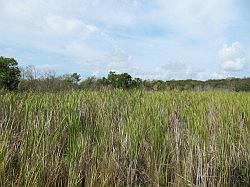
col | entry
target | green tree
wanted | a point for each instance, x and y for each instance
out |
(9, 73)
(73, 78)
(123, 80)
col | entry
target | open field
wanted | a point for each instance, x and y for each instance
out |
(125, 138)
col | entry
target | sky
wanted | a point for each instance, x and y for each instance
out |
(150, 39)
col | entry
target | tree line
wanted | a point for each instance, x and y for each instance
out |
(13, 78)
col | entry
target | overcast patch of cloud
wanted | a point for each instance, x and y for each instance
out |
(205, 75)
(173, 70)
(178, 70)
(60, 25)
(167, 71)
(232, 57)
(7, 52)
(118, 61)
(195, 18)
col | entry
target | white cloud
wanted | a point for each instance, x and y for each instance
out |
(65, 28)
(58, 25)
(117, 34)
(195, 18)
(16, 9)
(232, 57)
(167, 71)
(174, 70)
(205, 75)
(118, 61)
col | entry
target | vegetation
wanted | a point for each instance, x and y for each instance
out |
(63, 131)
(124, 138)
(29, 79)
(51, 83)
(9, 73)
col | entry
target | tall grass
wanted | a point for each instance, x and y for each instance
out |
(125, 138)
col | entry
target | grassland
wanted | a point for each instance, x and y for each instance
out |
(125, 138)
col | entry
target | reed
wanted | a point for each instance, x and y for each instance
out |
(125, 138)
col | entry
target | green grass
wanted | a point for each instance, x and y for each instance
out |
(125, 138)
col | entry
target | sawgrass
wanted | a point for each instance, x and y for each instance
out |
(125, 138)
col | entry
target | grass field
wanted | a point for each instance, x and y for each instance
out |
(125, 138)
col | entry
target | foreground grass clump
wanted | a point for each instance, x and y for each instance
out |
(120, 138)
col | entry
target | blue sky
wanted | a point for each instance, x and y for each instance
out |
(151, 39)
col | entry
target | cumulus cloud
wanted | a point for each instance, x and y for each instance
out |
(232, 57)
(66, 28)
(98, 36)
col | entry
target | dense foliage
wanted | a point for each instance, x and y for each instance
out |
(126, 81)
(125, 138)
(9, 73)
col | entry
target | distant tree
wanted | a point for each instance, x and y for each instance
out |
(112, 79)
(137, 83)
(9, 73)
(88, 83)
(93, 83)
(73, 78)
(29, 72)
(49, 82)
(123, 80)
(242, 85)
